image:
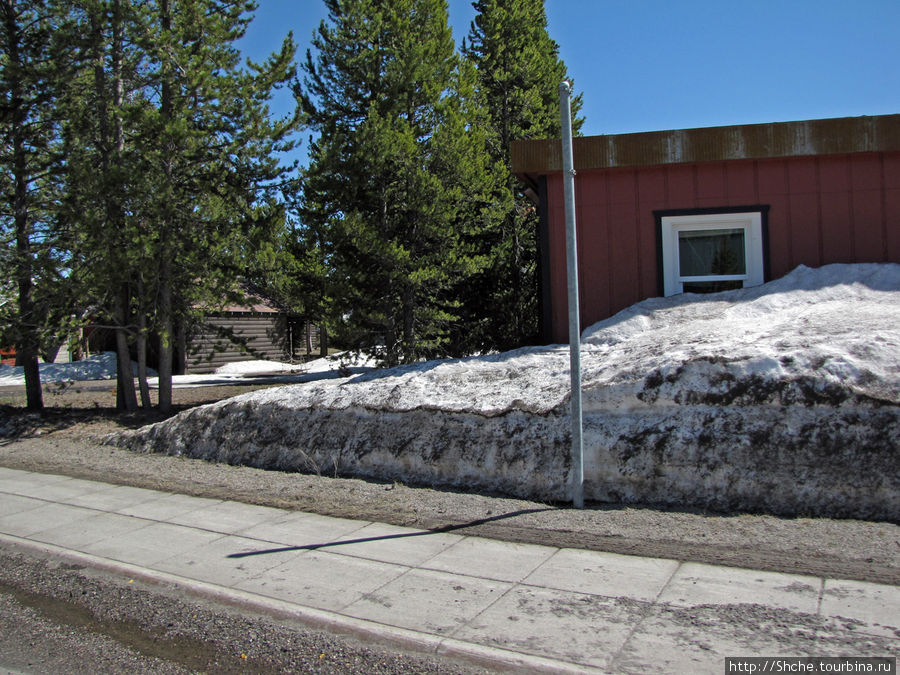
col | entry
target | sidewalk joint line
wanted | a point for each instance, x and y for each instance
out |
(649, 609)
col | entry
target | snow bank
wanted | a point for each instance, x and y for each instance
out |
(252, 367)
(342, 360)
(245, 372)
(96, 367)
(784, 397)
(832, 328)
(103, 367)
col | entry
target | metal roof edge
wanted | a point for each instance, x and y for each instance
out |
(833, 136)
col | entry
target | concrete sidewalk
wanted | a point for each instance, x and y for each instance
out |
(529, 607)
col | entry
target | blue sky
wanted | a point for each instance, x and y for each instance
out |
(646, 65)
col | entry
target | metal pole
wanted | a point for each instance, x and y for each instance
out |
(565, 89)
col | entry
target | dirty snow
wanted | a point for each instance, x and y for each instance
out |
(837, 325)
(784, 397)
(836, 328)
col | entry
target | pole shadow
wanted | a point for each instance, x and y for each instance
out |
(363, 540)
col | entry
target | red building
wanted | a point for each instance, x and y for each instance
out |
(702, 210)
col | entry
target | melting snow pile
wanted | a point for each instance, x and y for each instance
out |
(783, 397)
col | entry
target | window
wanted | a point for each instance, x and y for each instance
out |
(711, 252)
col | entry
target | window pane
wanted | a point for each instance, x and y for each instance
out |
(711, 286)
(704, 253)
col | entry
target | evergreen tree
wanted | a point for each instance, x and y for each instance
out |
(35, 63)
(185, 186)
(399, 176)
(213, 154)
(289, 270)
(106, 193)
(519, 73)
(140, 167)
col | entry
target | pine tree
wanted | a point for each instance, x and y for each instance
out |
(175, 166)
(289, 270)
(213, 154)
(35, 62)
(399, 173)
(519, 72)
(105, 191)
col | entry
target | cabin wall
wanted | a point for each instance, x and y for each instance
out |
(267, 336)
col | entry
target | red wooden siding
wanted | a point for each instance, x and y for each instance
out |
(891, 168)
(822, 209)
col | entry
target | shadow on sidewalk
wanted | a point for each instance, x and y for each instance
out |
(423, 533)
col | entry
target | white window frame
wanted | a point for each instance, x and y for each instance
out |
(750, 222)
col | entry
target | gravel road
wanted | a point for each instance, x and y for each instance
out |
(66, 619)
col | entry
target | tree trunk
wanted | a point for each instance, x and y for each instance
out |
(179, 365)
(27, 344)
(409, 325)
(516, 304)
(118, 86)
(28, 341)
(112, 144)
(164, 316)
(165, 333)
(144, 388)
(34, 395)
(323, 340)
(142, 348)
(126, 399)
(81, 348)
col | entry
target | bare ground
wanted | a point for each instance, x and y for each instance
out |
(66, 440)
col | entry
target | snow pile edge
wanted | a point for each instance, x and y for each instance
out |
(516, 453)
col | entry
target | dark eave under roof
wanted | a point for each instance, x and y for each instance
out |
(842, 135)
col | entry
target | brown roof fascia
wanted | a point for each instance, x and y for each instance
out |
(836, 136)
(249, 309)
(252, 305)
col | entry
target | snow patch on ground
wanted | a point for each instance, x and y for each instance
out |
(348, 361)
(336, 366)
(103, 367)
(783, 397)
(530, 379)
(253, 367)
(95, 367)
